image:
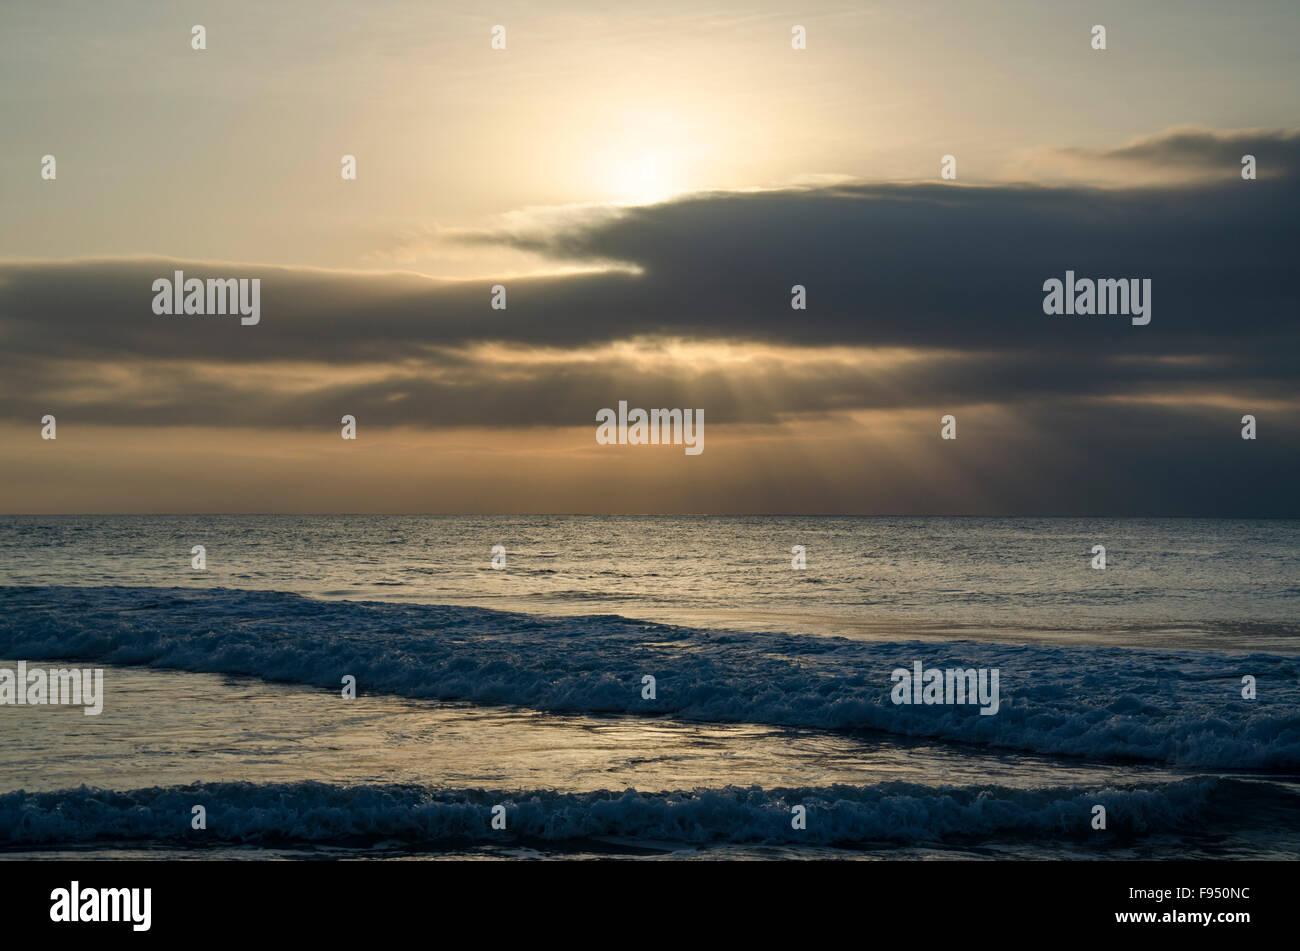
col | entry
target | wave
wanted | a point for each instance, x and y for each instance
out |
(844, 816)
(1178, 707)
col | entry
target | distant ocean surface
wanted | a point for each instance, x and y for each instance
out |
(523, 687)
(1175, 582)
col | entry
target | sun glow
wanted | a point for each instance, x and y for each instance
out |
(641, 180)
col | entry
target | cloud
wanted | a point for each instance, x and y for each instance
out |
(1182, 155)
(1214, 153)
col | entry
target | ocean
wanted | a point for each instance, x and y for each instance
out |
(652, 687)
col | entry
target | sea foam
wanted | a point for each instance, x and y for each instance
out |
(1178, 707)
(886, 813)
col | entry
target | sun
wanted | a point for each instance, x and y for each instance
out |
(640, 179)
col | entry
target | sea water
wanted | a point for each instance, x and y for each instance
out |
(525, 687)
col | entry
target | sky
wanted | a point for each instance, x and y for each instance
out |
(648, 182)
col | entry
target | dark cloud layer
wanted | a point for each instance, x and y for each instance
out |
(925, 266)
(568, 393)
